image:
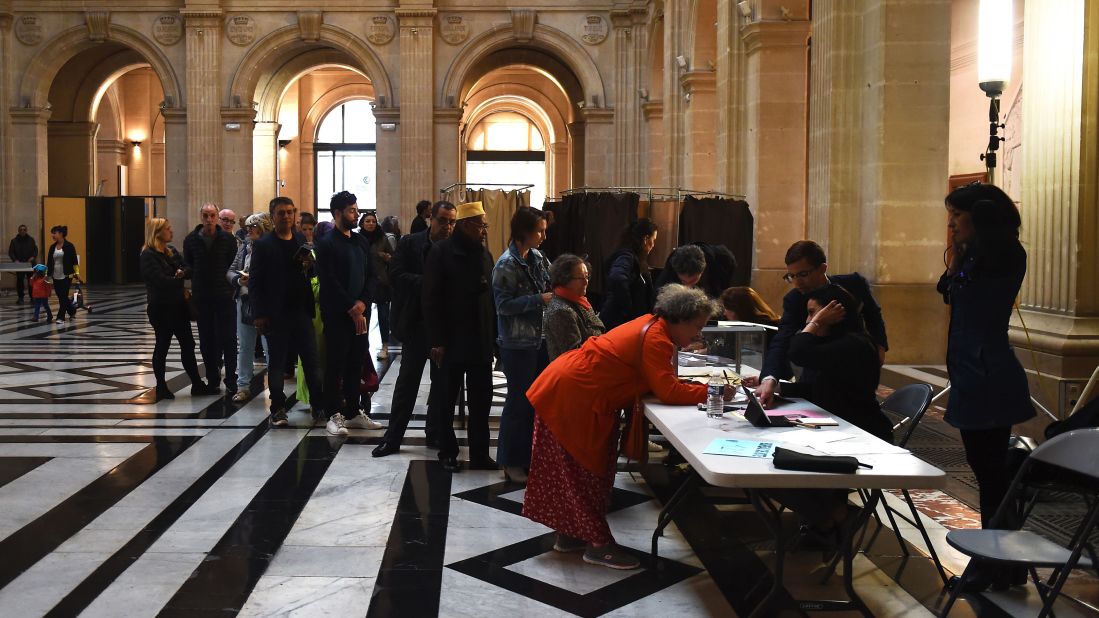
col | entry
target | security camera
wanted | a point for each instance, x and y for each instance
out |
(681, 61)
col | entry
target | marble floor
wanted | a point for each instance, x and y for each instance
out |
(111, 505)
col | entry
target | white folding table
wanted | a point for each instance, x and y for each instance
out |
(690, 431)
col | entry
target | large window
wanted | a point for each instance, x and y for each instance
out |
(346, 156)
(507, 147)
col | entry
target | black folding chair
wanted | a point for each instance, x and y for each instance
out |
(1075, 453)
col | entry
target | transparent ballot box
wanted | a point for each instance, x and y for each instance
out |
(738, 346)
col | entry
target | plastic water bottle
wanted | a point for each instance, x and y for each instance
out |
(715, 400)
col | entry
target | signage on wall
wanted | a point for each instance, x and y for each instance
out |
(453, 29)
(28, 29)
(381, 29)
(168, 29)
(241, 30)
(594, 29)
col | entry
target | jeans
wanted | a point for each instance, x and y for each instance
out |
(168, 320)
(42, 303)
(986, 452)
(246, 353)
(293, 329)
(65, 304)
(478, 379)
(521, 367)
(413, 356)
(217, 339)
(343, 353)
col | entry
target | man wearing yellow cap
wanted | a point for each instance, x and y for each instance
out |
(461, 329)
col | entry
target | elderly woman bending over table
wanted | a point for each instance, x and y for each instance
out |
(576, 402)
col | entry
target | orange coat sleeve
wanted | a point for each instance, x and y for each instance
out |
(656, 360)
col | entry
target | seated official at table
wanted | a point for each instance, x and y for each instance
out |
(834, 343)
(576, 402)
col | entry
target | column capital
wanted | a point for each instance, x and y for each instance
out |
(600, 115)
(698, 81)
(415, 18)
(174, 115)
(30, 115)
(387, 114)
(448, 115)
(774, 34)
(73, 128)
(238, 114)
(6, 19)
(110, 146)
(653, 110)
(202, 18)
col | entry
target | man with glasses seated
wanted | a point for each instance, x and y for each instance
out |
(807, 270)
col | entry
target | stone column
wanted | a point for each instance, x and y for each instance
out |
(110, 154)
(390, 161)
(675, 26)
(559, 180)
(265, 161)
(449, 162)
(72, 166)
(7, 221)
(577, 137)
(654, 122)
(774, 66)
(630, 45)
(417, 94)
(1060, 198)
(176, 178)
(236, 147)
(598, 141)
(700, 112)
(204, 126)
(878, 121)
(30, 175)
(731, 135)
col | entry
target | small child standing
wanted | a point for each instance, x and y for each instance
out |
(41, 288)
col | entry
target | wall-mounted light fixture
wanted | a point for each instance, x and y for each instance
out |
(283, 143)
(995, 41)
(136, 143)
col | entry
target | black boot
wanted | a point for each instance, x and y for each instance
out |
(162, 392)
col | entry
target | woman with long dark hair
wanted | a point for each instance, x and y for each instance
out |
(381, 252)
(988, 388)
(64, 268)
(163, 271)
(630, 292)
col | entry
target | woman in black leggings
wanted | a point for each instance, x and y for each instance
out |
(163, 273)
(62, 263)
(989, 391)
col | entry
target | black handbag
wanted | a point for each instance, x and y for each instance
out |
(786, 459)
(246, 316)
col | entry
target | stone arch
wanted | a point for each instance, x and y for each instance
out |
(550, 41)
(257, 72)
(35, 84)
(310, 122)
(519, 105)
(95, 86)
(535, 103)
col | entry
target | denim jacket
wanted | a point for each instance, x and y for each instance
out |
(517, 286)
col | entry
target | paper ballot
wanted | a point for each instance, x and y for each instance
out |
(740, 448)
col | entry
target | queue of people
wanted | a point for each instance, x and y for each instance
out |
(569, 367)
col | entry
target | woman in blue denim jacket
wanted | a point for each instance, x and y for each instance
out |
(520, 285)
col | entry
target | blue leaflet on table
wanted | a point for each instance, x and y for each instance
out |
(740, 448)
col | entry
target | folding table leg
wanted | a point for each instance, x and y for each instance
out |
(669, 509)
(772, 518)
(918, 521)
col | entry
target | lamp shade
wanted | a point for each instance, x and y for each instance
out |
(995, 38)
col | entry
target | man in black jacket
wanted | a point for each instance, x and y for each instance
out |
(807, 268)
(208, 251)
(22, 248)
(461, 329)
(283, 305)
(343, 266)
(407, 275)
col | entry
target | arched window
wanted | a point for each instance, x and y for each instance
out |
(346, 155)
(506, 146)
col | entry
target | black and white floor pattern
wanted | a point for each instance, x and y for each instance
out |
(113, 506)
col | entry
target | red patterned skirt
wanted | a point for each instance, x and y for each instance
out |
(564, 495)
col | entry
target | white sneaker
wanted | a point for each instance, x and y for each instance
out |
(384, 353)
(654, 447)
(362, 421)
(336, 426)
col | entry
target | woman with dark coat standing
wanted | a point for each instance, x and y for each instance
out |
(64, 268)
(381, 252)
(630, 292)
(988, 388)
(163, 272)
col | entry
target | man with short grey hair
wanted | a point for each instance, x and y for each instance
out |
(227, 219)
(208, 251)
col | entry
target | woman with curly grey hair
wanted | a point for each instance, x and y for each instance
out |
(576, 402)
(570, 319)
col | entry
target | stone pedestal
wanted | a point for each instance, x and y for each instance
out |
(878, 119)
(176, 177)
(416, 107)
(30, 170)
(598, 141)
(204, 126)
(630, 47)
(390, 161)
(700, 145)
(449, 159)
(238, 184)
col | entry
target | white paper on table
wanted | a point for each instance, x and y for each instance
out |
(859, 446)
